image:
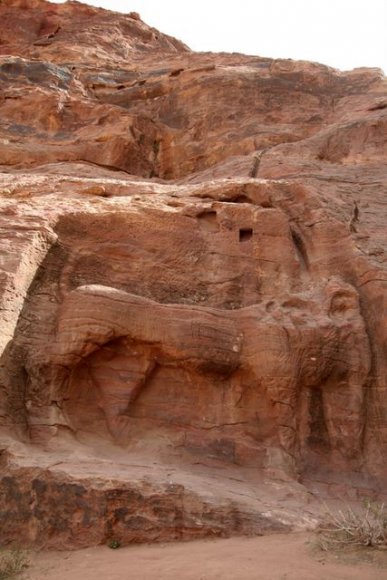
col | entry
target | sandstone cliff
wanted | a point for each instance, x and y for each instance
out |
(192, 283)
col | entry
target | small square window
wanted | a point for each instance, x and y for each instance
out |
(245, 234)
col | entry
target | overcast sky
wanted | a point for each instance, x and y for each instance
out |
(341, 33)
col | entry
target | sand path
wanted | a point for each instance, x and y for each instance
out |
(276, 557)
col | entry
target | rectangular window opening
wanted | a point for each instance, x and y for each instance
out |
(245, 234)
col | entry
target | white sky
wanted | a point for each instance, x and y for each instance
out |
(341, 33)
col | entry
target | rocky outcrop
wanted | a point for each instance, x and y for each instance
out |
(192, 273)
(53, 508)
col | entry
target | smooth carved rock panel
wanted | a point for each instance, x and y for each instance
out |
(221, 357)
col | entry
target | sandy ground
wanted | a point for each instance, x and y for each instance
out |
(276, 557)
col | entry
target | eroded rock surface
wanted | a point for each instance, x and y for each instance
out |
(193, 273)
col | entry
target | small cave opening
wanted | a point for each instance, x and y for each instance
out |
(245, 234)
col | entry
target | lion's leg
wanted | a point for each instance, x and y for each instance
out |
(283, 395)
(344, 414)
(343, 395)
(120, 380)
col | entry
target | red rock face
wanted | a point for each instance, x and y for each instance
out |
(192, 274)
